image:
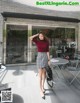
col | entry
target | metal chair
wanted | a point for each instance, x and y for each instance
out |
(74, 66)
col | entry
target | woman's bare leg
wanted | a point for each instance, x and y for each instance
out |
(43, 78)
(40, 80)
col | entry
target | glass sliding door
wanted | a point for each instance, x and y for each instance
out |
(16, 44)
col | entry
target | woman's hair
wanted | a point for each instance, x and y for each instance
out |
(45, 38)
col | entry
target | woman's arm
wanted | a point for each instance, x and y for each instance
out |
(48, 56)
(31, 37)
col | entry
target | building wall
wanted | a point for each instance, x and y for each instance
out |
(30, 23)
(44, 23)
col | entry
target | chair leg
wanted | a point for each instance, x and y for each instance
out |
(74, 77)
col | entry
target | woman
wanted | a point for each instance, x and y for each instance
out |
(43, 57)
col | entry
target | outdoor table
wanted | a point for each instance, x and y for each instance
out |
(59, 62)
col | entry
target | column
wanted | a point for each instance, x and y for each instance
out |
(1, 38)
(4, 41)
(29, 50)
(78, 36)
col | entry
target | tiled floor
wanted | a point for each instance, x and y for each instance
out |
(25, 85)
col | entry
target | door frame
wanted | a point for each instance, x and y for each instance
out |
(29, 26)
(5, 39)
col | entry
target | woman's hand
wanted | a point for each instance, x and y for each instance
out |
(48, 62)
(37, 34)
(31, 37)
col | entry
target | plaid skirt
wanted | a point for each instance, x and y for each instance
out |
(42, 60)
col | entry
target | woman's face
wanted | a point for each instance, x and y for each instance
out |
(41, 36)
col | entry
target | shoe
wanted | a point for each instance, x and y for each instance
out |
(43, 97)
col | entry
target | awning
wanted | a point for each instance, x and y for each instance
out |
(39, 17)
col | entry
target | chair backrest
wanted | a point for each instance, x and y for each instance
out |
(74, 63)
(77, 64)
(58, 53)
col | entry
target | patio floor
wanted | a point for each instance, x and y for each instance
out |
(25, 86)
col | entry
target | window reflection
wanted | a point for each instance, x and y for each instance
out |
(61, 39)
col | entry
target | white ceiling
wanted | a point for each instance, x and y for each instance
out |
(59, 8)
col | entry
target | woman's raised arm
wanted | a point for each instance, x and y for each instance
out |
(31, 37)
